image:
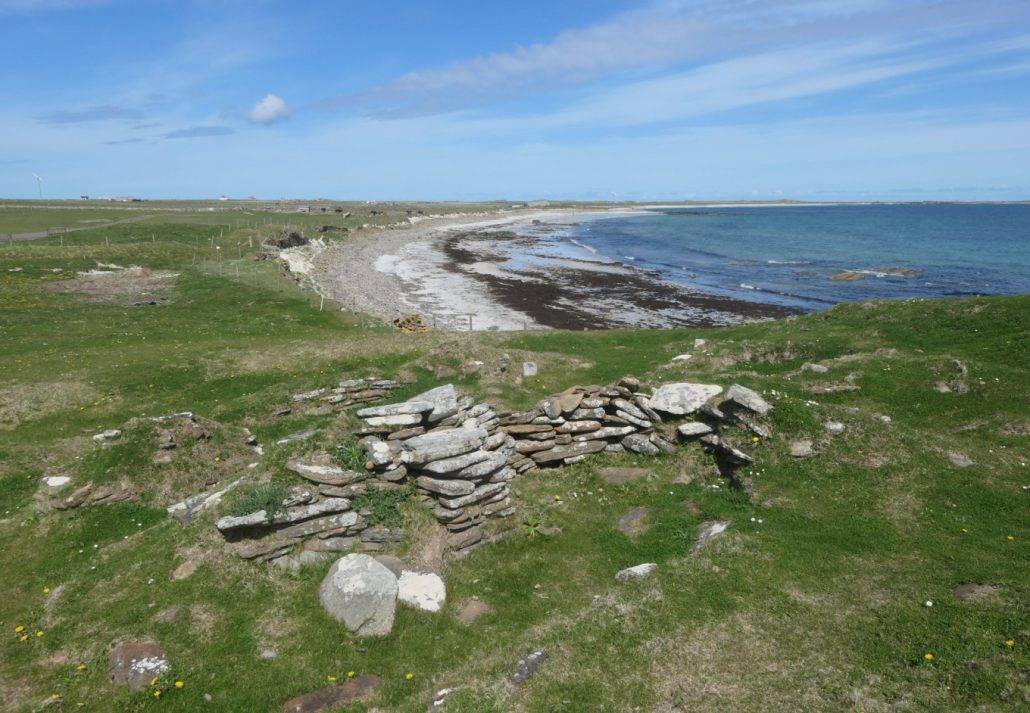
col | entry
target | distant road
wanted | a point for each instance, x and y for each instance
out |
(5, 237)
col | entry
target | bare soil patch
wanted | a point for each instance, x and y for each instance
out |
(131, 286)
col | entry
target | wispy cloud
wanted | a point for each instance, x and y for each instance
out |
(662, 36)
(119, 142)
(199, 131)
(269, 110)
(13, 6)
(95, 113)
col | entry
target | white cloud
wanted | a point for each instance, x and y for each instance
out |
(269, 110)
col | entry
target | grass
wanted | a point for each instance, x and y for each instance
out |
(815, 599)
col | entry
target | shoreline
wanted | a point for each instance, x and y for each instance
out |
(450, 270)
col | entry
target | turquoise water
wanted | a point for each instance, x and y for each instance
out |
(787, 255)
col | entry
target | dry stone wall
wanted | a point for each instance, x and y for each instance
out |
(462, 455)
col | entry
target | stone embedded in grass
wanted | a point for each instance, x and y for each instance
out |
(526, 667)
(361, 593)
(422, 590)
(529, 369)
(640, 570)
(296, 437)
(682, 398)
(834, 427)
(708, 531)
(814, 368)
(634, 522)
(801, 448)
(617, 476)
(136, 663)
(107, 435)
(640, 443)
(693, 429)
(332, 697)
(742, 397)
(960, 459)
(972, 592)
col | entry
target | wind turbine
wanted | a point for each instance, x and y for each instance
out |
(39, 185)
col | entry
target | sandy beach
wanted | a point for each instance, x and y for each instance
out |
(492, 272)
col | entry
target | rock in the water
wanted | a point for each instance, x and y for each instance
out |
(682, 398)
(333, 696)
(617, 476)
(640, 570)
(745, 398)
(801, 448)
(135, 663)
(472, 610)
(708, 531)
(361, 593)
(422, 590)
(634, 522)
(693, 429)
(527, 666)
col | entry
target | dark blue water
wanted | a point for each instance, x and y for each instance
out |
(787, 255)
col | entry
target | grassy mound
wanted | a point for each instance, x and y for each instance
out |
(831, 590)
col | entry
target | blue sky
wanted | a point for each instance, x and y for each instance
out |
(581, 99)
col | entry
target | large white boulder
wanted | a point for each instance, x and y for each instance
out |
(361, 593)
(682, 398)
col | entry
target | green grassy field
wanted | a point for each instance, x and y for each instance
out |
(814, 600)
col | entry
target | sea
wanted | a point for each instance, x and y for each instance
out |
(790, 255)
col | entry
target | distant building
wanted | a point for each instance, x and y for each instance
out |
(223, 197)
(83, 198)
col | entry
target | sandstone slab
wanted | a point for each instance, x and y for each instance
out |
(361, 593)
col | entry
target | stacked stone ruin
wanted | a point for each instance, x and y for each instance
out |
(461, 456)
(454, 451)
(346, 394)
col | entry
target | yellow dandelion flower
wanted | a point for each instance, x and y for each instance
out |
(557, 497)
(55, 696)
(1010, 642)
(46, 590)
(19, 629)
(81, 667)
(755, 439)
(80, 704)
(331, 679)
(23, 637)
(179, 684)
(350, 674)
(218, 459)
(408, 676)
(1011, 538)
(157, 693)
(153, 681)
(928, 656)
(39, 633)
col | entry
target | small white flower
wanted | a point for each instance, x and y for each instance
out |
(929, 603)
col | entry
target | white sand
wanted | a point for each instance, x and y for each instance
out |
(390, 272)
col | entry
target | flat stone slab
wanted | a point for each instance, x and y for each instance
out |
(682, 398)
(327, 698)
(136, 663)
(640, 570)
(745, 398)
(801, 448)
(423, 590)
(708, 531)
(617, 476)
(440, 445)
(634, 522)
(473, 609)
(960, 459)
(693, 429)
(973, 592)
